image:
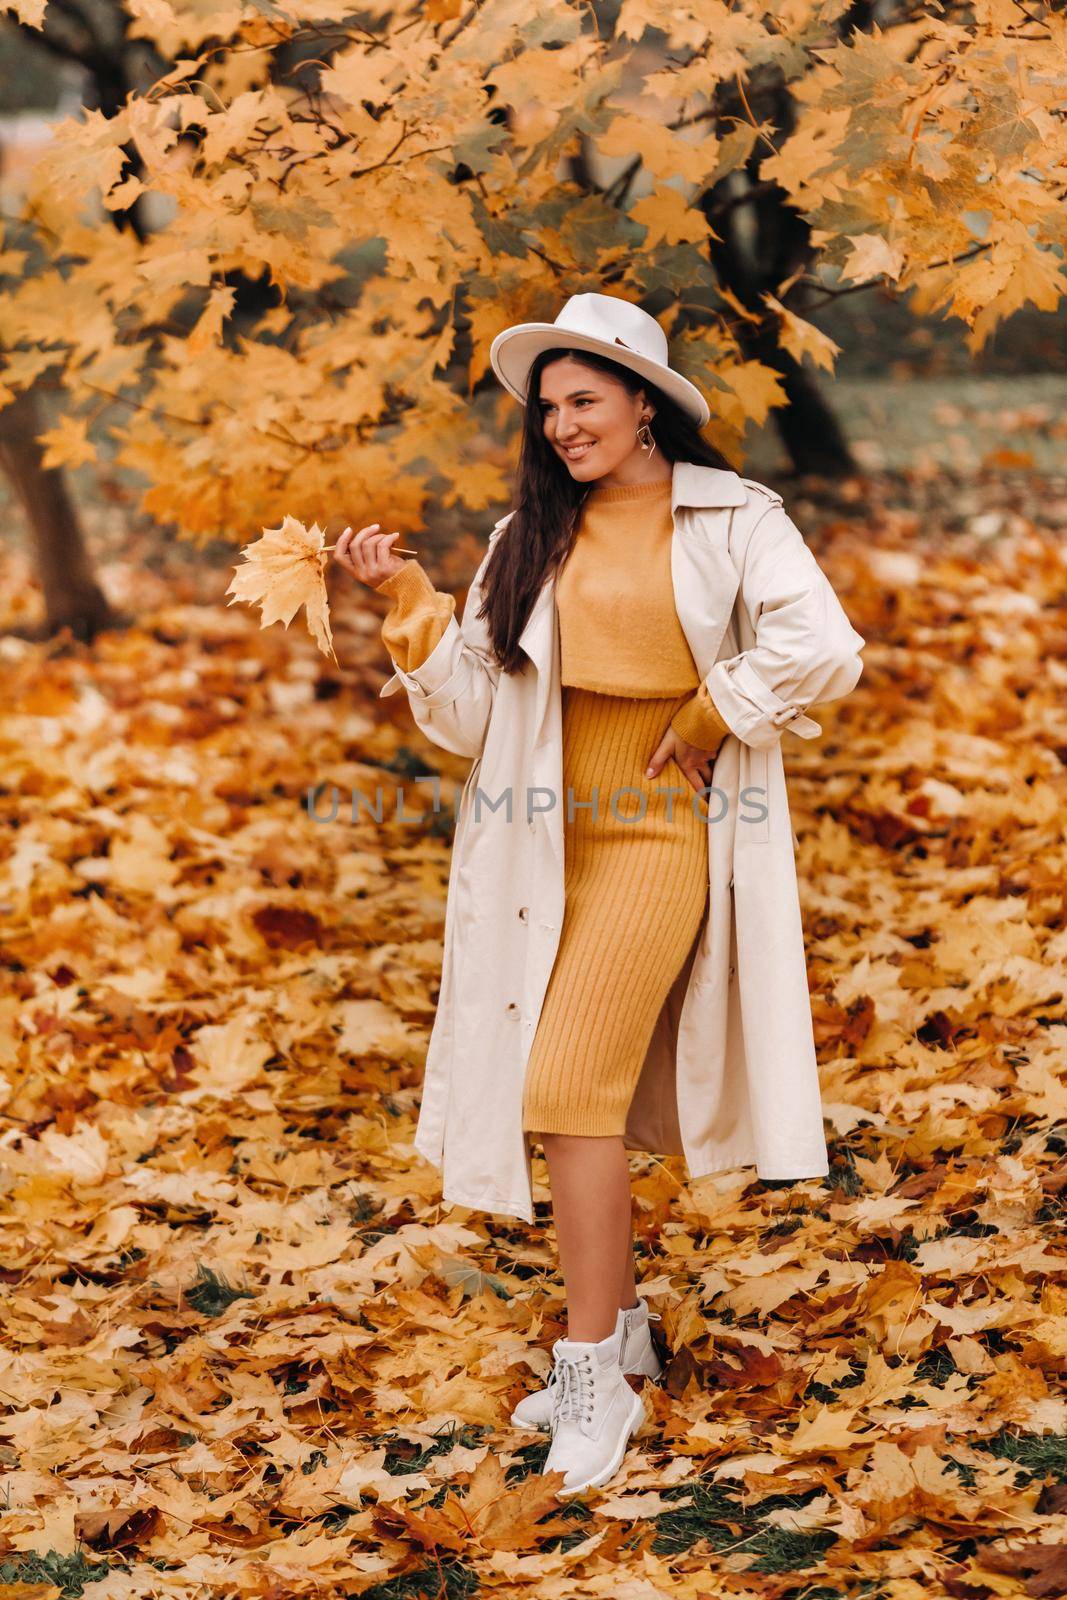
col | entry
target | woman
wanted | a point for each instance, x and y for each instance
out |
(608, 430)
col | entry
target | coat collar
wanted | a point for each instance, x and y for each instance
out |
(710, 487)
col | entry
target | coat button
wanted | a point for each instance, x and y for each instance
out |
(524, 913)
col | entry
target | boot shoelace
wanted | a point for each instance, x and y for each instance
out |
(574, 1399)
(553, 1377)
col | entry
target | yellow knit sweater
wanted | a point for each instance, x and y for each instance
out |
(619, 630)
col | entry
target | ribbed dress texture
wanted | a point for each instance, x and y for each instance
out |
(635, 860)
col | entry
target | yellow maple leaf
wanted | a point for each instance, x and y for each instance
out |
(871, 256)
(664, 154)
(67, 444)
(31, 12)
(284, 571)
(668, 216)
(799, 338)
(757, 387)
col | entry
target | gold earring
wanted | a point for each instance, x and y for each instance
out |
(645, 439)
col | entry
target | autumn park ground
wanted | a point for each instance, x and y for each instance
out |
(247, 1352)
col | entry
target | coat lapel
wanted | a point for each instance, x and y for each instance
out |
(540, 639)
(705, 582)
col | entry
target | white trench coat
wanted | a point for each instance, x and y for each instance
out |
(730, 1077)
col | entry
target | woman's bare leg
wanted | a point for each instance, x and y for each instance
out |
(592, 1210)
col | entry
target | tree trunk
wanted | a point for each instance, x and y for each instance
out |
(757, 252)
(72, 597)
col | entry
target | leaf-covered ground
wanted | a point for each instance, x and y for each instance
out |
(246, 1353)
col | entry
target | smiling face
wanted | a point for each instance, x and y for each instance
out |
(590, 420)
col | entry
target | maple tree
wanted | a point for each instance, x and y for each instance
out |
(410, 195)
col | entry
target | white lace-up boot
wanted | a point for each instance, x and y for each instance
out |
(637, 1355)
(594, 1412)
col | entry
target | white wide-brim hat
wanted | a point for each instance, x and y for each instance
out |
(604, 323)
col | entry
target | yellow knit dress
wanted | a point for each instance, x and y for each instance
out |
(635, 854)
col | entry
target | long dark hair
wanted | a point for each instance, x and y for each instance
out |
(548, 501)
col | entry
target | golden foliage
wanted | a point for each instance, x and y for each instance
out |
(245, 1353)
(415, 170)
